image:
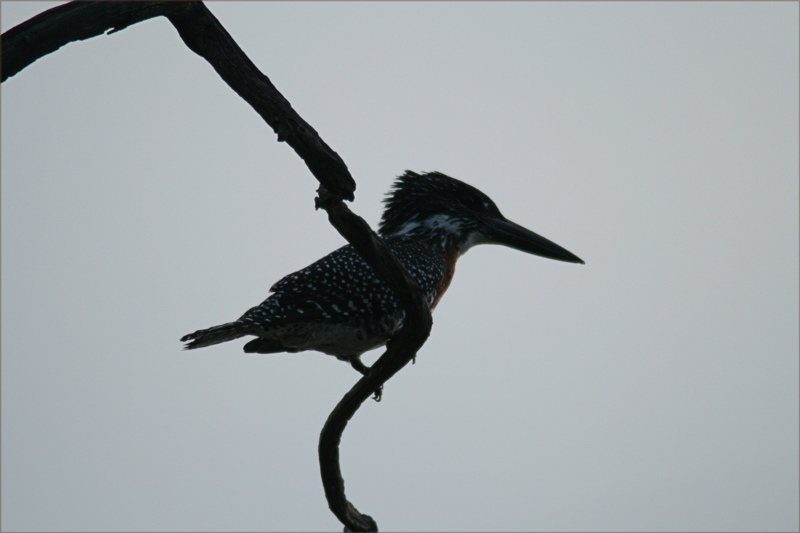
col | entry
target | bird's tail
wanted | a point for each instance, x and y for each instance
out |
(215, 335)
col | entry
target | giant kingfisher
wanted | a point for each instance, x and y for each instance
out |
(341, 307)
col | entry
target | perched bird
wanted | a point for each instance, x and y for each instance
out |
(340, 306)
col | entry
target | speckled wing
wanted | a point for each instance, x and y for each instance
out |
(342, 287)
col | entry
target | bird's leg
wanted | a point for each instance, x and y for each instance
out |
(360, 367)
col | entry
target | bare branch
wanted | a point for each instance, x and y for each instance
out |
(48, 31)
(204, 35)
(401, 349)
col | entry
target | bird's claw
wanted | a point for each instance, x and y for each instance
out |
(363, 369)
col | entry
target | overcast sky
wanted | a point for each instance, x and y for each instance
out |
(654, 388)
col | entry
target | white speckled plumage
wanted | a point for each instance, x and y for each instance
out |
(339, 305)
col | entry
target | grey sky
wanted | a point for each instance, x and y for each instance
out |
(654, 388)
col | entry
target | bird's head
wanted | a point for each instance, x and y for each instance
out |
(445, 212)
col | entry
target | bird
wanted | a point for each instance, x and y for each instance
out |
(341, 307)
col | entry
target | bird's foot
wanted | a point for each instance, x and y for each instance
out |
(360, 367)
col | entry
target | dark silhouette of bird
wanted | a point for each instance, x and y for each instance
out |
(340, 306)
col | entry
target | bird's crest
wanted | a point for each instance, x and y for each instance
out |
(433, 206)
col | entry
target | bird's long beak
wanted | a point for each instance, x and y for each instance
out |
(505, 232)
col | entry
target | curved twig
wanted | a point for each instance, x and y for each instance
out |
(203, 34)
(400, 350)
